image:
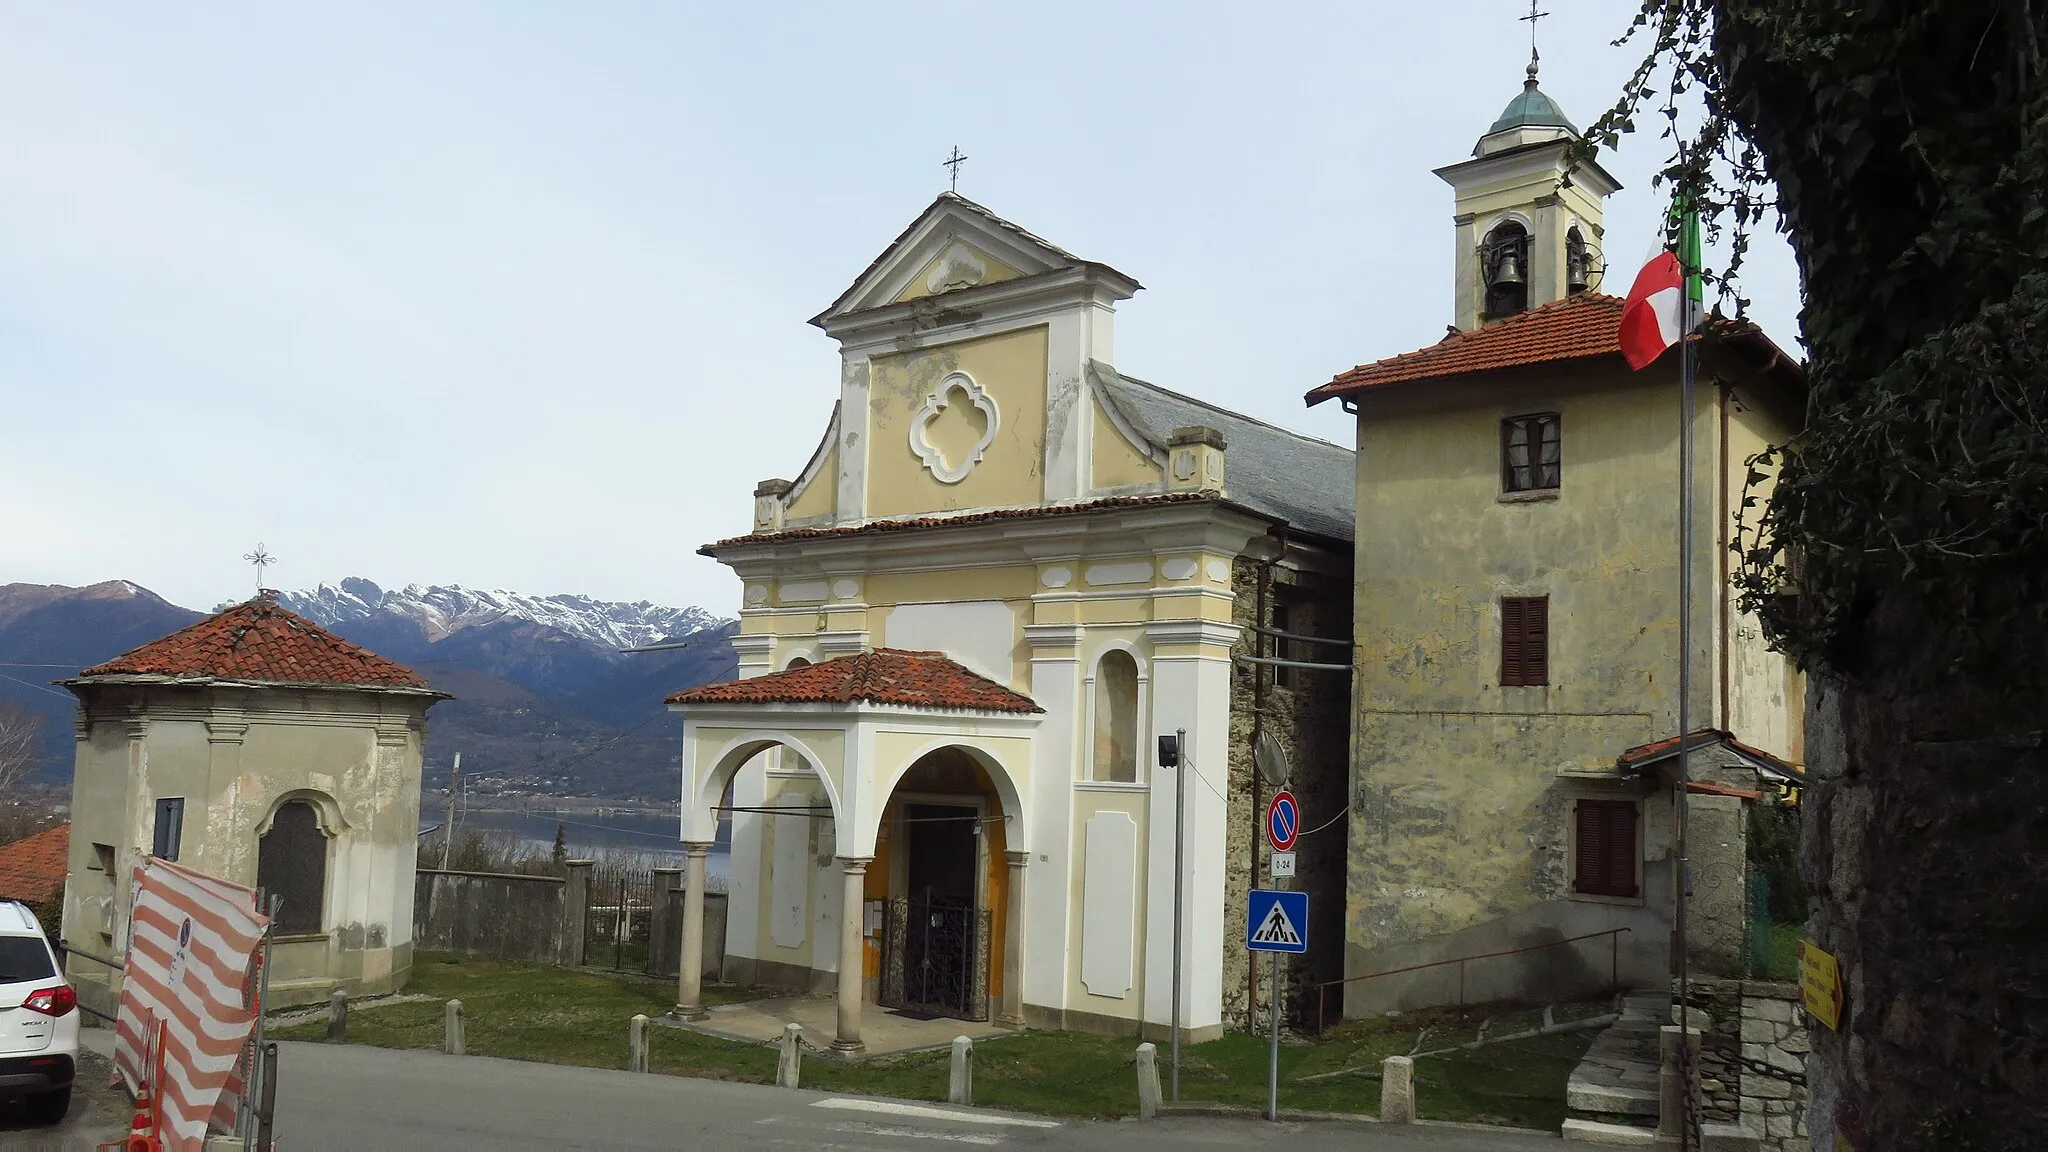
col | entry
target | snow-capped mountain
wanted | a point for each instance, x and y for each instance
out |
(444, 609)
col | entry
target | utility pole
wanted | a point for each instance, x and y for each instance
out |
(448, 831)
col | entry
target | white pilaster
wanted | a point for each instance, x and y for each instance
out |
(1190, 690)
(852, 480)
(1056, 686)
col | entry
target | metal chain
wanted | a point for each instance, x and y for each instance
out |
(1751, 1064)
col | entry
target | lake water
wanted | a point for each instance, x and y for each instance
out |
(657, 835)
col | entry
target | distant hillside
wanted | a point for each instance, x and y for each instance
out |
(544, 701)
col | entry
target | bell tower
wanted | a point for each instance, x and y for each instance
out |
(1529, 227)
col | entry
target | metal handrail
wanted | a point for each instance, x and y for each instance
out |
(1614, 959)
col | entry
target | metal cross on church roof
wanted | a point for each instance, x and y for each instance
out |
(260, 559)
(1531, 20)
(954, 162)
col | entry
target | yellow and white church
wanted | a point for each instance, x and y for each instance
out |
(1005, 570)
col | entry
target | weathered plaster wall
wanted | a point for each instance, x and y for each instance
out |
(234, 755)
(1463, 788)
(1011, 367)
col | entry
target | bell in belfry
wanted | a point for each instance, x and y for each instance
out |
(1509, 271)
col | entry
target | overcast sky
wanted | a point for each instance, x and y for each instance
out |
(514, 295)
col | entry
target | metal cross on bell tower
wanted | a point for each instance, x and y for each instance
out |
(261, 560)
(953, 163)
(1531, 20)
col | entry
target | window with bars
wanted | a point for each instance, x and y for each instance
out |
(1606, 848)
(1524, 640)
(291, 863)
(1531, 453)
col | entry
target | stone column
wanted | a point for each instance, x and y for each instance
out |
(575, 909)
(690, 976)
(1012, 1010)
(852, 902)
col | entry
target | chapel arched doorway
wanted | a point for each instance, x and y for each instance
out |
(940, 886)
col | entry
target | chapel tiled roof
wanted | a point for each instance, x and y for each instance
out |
(883, 676)
(1579, 326)
(262, 642)
(916, 522)
(1642, 755)
(32, 870)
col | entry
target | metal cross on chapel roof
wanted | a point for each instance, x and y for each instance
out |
(260, 559)
(954, 162)
(1531, 20)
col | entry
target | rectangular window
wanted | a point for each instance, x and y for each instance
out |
(1531, 453)
(170, 828)
(1524, 640)
(1606, 863)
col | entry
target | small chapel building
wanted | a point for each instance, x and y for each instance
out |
(1006, 571)
(1513, 784)
(258, 747)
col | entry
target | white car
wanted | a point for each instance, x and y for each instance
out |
(38, 1018)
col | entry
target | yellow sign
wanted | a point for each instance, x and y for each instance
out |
(1820, 983)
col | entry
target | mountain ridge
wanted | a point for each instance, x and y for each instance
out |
(545, 702)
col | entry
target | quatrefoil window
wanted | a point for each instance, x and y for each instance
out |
(945, 423)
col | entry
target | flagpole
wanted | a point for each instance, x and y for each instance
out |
(1689, 359)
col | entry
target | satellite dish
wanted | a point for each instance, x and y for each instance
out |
(1271, 760)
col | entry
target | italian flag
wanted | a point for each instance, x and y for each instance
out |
(1664, 303)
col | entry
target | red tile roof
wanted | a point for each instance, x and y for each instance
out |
(1578, 327)
(917, 522)
(263, 642)
(883, 676)
(32, 870)
(1643, 754)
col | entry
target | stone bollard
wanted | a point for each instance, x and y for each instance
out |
(337, 1017)
(960, 1086)
(1148, 1081)
(636, 1044)
(1671, 1086)
(1397, 1090)
(451, 1029)
(790, 1062)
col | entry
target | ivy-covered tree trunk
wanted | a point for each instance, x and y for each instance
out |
(1927, 855)
(1906, 143)
(1902, 557)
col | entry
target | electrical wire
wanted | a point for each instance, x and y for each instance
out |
(1326, 823)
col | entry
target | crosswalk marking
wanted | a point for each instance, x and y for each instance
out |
(1276, 928)
(919, 1111)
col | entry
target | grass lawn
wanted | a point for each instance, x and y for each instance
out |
(555, 1015)
(1780, 952)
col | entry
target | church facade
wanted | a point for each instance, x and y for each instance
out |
(1005, 573)
(1517, 615)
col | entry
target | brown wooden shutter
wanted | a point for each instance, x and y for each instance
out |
(1536, 640)
(1592, 853)
(1621, 848)
(1511, 641)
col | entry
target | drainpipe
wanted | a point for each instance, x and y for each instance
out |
(1727, 512)
(1259, 674)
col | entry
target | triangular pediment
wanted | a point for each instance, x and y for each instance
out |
(952, 246)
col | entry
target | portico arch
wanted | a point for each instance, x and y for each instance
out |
(700, 819)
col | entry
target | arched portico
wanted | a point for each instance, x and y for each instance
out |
(859, 749)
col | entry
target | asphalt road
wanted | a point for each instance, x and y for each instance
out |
(358, 1097)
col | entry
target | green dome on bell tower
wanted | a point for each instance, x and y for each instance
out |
(1532, 109)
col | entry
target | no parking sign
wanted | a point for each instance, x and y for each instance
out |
(1283, 821)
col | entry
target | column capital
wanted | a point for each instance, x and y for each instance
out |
(855, 865)
(1017, 859)
(696, 848)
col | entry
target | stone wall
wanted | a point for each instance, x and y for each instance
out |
(505, 917)
(1774, 1039)
(1753, 1052)
(1309, 713)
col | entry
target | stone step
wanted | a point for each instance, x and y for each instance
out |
(1616, 1135)
(1610, 1099)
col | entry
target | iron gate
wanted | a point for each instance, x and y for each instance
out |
(935, 958)
(618, 921)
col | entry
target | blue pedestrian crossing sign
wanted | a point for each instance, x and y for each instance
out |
(1276, 921)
